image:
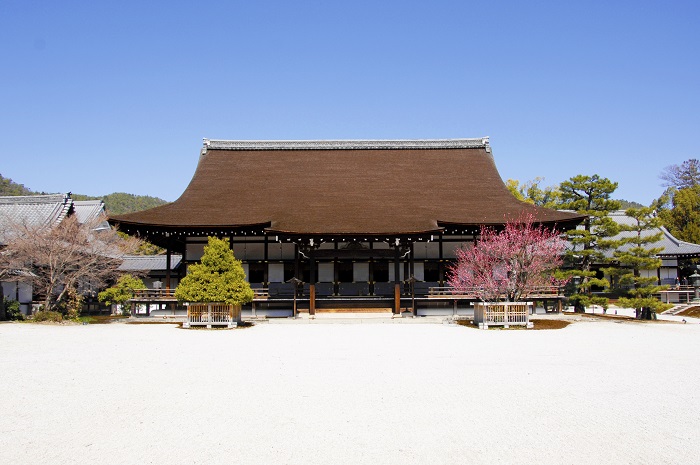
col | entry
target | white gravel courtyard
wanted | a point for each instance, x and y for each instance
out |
(591, 393)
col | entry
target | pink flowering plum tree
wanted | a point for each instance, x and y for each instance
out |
(508, 264)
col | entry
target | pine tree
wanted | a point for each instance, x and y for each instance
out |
(635, 256)
(218, 278)
(590, 196)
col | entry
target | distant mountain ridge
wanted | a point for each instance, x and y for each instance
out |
(116, 203)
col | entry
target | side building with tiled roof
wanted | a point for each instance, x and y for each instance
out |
(39, 211)
(673, 254)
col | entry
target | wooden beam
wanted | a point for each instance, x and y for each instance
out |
(397, 298)
(168, 253)
(397, 280)
(312, 299)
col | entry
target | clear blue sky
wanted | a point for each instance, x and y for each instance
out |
(97, 97)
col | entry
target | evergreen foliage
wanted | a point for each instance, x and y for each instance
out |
(679, 211)
(122, 291)
(637, 256)
(590, 196)
(145, 247)
(11, 309)
(9, 187)
(218, 278)
(531, 192)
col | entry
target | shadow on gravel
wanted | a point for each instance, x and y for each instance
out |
(538, 325)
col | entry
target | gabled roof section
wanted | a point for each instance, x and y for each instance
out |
(149, 262)
(90, 210)
(672, 247)
(35, 210)
(381, 187)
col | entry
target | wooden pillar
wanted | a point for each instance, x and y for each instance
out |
(406, 275)
(397, 280)
(371, 276)
(441, 267)
(296, 261)
(336, 285)
(266, 275)
(168, 253)
(412, 282)
(312, 283)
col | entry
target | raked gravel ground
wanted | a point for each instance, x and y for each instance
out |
(592, 393)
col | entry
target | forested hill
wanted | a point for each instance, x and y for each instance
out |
(9, 187)
(625, 204)
(115, 204)
(119, 203)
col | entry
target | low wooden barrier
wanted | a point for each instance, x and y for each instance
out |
(450, 292)
(154, 294)
(502, 314)
(212, 314)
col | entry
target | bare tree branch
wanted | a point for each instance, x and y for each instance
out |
(73, 255)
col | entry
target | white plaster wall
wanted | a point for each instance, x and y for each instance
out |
(325, 272)
(275, 273)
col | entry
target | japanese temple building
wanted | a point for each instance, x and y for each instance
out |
(352, 219)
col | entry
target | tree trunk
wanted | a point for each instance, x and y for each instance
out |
(645, 313)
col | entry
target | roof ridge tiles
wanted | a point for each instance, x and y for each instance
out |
(359, 144)
(34, 199)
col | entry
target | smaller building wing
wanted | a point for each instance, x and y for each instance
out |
(33, 210)
(672, 247)
(149, 262)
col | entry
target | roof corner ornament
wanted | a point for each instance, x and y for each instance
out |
(205, 145)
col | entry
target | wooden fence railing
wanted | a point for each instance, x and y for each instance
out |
(212, 314)
(502, 314)
(154, 294)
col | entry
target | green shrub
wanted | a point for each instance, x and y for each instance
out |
(219, 277)
(12, 311)
(43, 315)
(121, 292)
(72, 305)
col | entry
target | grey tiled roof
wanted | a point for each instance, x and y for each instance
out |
(672, 247)
(34, 210)
(88, 210)
(149, 262)
(46, 210)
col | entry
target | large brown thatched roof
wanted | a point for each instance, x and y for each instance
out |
(344, 187)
